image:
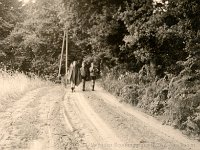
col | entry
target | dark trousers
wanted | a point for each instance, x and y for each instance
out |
(93, 82)
(83, 81)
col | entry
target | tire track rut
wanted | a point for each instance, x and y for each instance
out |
(36, 122)
(96, 134)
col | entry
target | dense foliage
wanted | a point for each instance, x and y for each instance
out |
(10, 14)
(34, 45)
(137, 32)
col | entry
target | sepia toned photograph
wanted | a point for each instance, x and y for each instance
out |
(99, 74)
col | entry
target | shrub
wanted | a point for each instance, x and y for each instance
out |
(184, 102)
(130, 94)
(155, 97)
(175, 99)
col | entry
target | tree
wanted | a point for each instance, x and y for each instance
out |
(94, 27)
(159, 32)
(10, 14)
(36, 42)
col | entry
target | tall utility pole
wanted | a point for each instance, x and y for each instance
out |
(61, 56)
(66, 63)
(65, 37)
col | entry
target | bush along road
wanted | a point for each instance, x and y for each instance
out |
(53, 118)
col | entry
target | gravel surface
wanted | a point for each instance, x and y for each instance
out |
(54, 118)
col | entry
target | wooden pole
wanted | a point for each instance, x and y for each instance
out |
(63, 44)
(66, 59)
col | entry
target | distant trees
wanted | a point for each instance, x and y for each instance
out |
(128, 33)
(138, 32)
(10, 14)
(36, 42)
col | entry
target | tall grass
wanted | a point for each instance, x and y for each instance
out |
(14, 84)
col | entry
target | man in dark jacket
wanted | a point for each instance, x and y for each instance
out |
(83, 74)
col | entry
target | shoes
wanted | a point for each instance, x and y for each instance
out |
(73, 89)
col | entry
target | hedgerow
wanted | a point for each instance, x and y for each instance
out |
(174, 99)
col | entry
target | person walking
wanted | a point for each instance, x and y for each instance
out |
(93, 72)
(74, 75)
(83, 75)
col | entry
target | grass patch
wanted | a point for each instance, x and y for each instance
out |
(14, 85)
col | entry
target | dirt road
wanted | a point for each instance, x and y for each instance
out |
(53, 118)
